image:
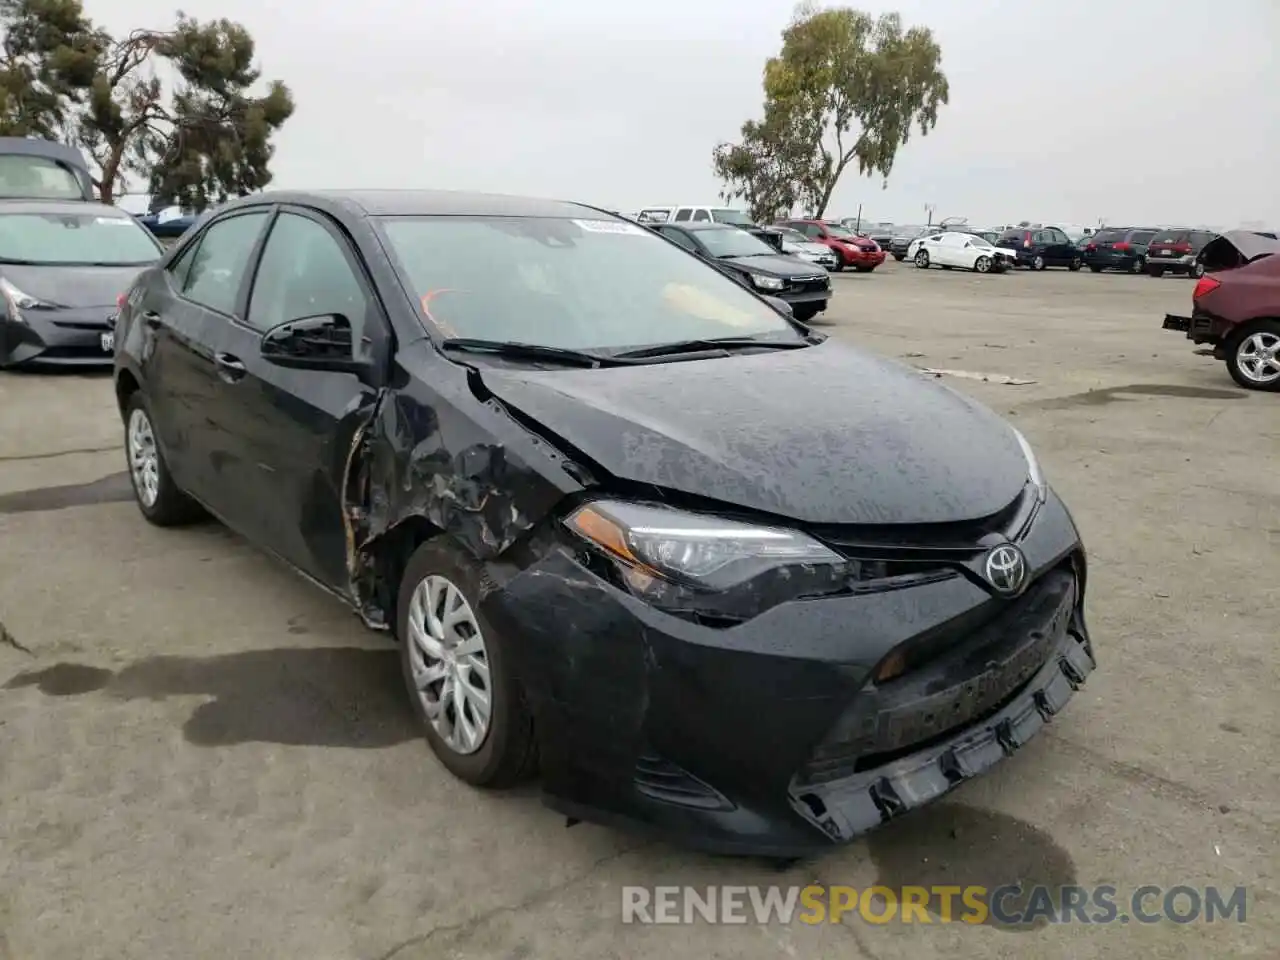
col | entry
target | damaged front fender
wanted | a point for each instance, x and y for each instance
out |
(449, 461)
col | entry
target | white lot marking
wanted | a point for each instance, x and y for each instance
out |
(970, 375)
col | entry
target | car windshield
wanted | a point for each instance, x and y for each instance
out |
(66, 239)
(574, 284)
(38, 178)
(733, 243)
(836, 230)
(725, 215)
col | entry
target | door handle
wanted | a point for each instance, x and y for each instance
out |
(151, 319)
(230, 368)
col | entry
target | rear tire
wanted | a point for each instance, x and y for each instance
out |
(1260, 334)
(864, 269)
(1096, 269)
(157, 496)
(1156, 272)
(899, 257)
(1075, 264)
(508, 752)
(1038, 263)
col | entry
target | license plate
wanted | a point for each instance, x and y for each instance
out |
(109, 342)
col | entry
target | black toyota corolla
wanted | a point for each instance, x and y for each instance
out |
(714, 575)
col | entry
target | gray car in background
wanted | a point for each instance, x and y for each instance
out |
(64, 264)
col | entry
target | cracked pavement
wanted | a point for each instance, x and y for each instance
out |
(201, 755)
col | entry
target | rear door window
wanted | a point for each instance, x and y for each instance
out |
(701, 215)
(684, 213)
(218, 265)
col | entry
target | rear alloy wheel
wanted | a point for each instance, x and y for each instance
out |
(1075, 264)
(1254, 358)
(922, 259)
(455, 665)
(158, 497)
(982, 264)
(1038, 263)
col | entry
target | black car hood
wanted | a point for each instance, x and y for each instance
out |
(823, 435)
(775, 266)
(71, 286)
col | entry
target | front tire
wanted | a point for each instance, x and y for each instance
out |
(1253, 358)
(864, 269)
(157, 496)
(922, 259)
(806, 314)
(1138, 265)
(456, 668)
(982, 265)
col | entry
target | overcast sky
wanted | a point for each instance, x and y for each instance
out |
(1141, 111)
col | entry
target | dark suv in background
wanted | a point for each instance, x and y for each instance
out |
(1177, 251)
(1041, 247)
(1119, 248)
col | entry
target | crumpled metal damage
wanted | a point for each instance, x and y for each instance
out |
(423, 459)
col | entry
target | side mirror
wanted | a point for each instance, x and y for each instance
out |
(781, 306)
(324, 342)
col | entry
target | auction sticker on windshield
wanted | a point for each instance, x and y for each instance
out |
(611, 226)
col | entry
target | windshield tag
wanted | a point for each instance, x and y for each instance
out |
(611, 226)
(113, 221)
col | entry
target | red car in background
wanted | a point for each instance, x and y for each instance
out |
(851, 250)
(1235, 307)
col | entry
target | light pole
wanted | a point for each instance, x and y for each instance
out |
(929, 208)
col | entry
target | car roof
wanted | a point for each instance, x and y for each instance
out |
(63, 206)
(701, 225)
(409, 203)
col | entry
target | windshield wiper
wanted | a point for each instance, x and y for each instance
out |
(516, 350)
(726, 344)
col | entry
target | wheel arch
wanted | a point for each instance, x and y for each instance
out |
(126, 386)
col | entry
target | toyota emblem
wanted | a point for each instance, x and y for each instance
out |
(1006, 569)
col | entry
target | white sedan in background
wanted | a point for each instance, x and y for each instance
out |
(964, 250)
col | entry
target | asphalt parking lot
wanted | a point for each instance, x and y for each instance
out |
(201, 755)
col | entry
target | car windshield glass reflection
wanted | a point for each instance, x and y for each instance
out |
(574, 284)
(65, 239)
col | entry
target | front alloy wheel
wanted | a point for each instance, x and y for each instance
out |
(982, 264)
(922, 259)
(449, 664)
(455, 665)
(1255, 361)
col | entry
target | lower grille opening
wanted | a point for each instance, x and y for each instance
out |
(663, 780)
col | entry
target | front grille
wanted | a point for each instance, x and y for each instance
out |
(978, 669)
(809, 285)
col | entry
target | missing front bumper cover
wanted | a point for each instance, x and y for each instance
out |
(845, 809)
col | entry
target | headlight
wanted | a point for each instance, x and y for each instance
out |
(17, 299)
(701, 550)
(766, 283)
(1033, 465)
